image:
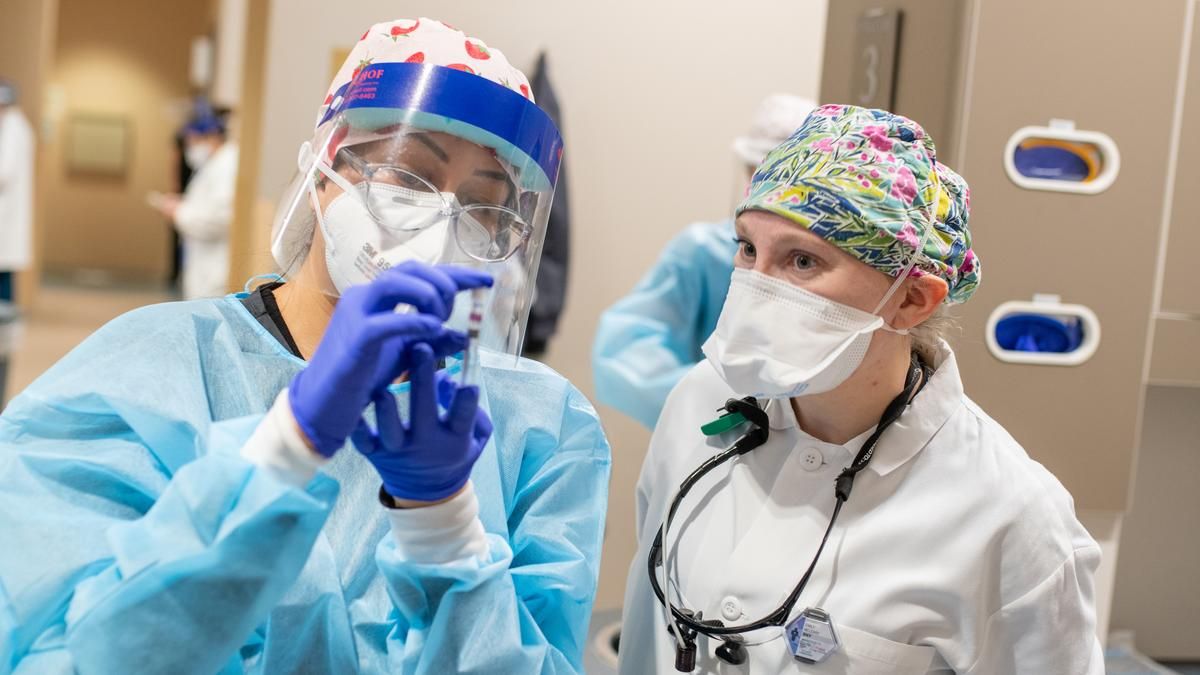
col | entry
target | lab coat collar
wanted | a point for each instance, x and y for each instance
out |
(930, 410)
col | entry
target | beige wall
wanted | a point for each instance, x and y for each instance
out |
(653, 94)
(231, 51)
(1179, 276)
(24, 52)
(127, 58)
(26, 39)
(252, 214)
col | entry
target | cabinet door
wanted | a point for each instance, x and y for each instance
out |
(1034, 61)
(1181, 281)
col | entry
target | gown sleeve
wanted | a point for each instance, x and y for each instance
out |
(649, 339)
(523, 604)
(136, 537)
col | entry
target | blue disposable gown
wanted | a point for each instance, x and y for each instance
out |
(652, 337)
(136, 539)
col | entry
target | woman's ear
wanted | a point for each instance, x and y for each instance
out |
(920, 298)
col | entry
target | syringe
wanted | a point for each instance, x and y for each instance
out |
(474, 322)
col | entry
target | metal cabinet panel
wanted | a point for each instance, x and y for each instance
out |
(1034, 61)
(1181, 282)
(928, 70)
(1175, 359)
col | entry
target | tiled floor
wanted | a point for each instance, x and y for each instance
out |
(61, 317)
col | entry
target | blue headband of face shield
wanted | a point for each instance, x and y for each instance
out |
(457, 103)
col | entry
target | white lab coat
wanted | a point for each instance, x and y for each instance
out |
(16, 190)
(203, 222)
(955, 553)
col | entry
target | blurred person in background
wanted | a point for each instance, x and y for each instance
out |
(203, 212)
(16, 190)
(320, 475)
(651, 338)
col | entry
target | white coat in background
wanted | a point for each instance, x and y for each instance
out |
(203, 221)
(956, 552)
(16, 190)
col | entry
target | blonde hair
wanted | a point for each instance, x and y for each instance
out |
(928, 335)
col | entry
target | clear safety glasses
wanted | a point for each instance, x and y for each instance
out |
(485, 232)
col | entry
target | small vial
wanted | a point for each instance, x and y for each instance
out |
(474, 322)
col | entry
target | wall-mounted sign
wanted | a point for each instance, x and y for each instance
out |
(98, 144)
(875, 48)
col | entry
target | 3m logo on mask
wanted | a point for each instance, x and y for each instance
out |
(375, 259)
(358, 250)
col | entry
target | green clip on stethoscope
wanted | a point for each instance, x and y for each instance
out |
(685, 624)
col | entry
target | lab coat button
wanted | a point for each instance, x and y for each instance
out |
(731, 609)
(811, 459)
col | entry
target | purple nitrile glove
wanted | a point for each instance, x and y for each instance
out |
(367, 343)
(431, 458)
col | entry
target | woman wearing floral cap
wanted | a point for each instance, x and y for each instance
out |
(321, 475)
(847, 509)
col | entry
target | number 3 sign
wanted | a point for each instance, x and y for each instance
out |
(875, 58)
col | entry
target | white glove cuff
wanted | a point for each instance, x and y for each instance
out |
(440, 533)
(277, 446)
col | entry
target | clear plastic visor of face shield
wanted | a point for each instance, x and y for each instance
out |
(406, 175)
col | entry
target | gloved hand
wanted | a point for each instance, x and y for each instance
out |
(366, 344)
(431, 458)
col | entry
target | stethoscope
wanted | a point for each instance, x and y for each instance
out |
(685, 624)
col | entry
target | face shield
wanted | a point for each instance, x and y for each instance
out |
(420, 162)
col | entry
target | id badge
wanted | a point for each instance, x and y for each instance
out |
(811, 636)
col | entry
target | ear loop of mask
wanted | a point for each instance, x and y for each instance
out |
(916, 254)
(308, 162)
(334, 177)
(330, 174)
(316, 207)
(448, 201)
(307, 157)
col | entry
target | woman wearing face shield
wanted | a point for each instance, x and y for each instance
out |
(306, 477)
(848, 509)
